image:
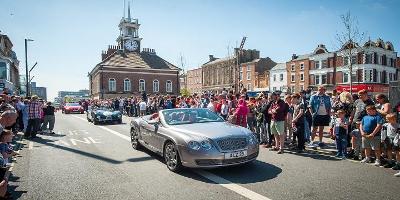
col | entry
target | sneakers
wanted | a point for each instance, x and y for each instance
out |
(339, 155)
(366, 160)
(377, 162)
(389, 165)
(396, 167)
(397, 175)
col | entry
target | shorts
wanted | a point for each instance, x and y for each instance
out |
(321, 120)
(278, 127)
(371, 143)
(389, 144)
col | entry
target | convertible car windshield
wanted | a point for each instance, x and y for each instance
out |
(189, 116)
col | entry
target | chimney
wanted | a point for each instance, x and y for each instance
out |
(294, 56)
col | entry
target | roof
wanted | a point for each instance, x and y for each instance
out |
(279, 66)
(143, 60)
(303, 57)
(219, 60)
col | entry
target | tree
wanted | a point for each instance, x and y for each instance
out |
(185, 92)
(349, 40)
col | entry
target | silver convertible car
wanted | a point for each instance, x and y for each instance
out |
(194, 138)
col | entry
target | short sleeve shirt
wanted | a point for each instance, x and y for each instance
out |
(369, 123)
(360, 106)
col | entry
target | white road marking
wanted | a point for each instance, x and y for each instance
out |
(30, 145)
(212, 177)
(231, 186)
(85, 140)
(109, 130)
(94, 141)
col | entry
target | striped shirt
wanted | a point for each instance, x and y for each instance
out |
(34, 110)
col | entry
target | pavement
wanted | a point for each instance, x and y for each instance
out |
(84, 161)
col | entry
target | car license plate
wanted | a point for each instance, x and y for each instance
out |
(236, 154)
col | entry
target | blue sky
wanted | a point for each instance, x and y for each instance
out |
(70, 34)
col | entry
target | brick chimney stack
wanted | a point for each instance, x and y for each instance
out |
(111, 49)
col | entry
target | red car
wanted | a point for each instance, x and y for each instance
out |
(73, 108)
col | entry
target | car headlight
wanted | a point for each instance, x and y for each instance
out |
(194, 145)
(252, 139)
(119, 115)
(206, 145)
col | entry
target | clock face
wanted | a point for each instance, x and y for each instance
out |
(131, 45)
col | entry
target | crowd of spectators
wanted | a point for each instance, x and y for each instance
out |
(29, 115)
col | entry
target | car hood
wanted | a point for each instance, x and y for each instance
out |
(107, 112)
(73, 107)
(212, 130)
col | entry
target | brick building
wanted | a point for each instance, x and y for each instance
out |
(125, 70)
(298, 73)
(194, 80)
(9, 64)
(254, 75)
(374, 67)
(220, 73)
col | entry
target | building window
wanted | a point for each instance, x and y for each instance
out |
(301, 66)
(293, 68)
(301, 87)
(353, 59)
(249, 87)
(368, 76)
(324, 79)
(293, 78)
(293, 89)
(248, 73)
(4, 71)
(169, 86)
(301, 77)
(345, 61)
(156, 86)
(345, 77)
(324, 64)
(112, 86)
(317, 66)
(368, 58)
(142, 85)
(274, 89)
(281, 77)
(274, 77)
(127, 85)
(241, 74)
(317, 80)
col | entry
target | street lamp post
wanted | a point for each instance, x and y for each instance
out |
(26, 66)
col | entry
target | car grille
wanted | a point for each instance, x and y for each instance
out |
(232, 144)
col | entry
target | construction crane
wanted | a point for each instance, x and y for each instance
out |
(238, 85)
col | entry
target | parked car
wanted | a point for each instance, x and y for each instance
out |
(103, 114)
(73, 108)
(194, 138)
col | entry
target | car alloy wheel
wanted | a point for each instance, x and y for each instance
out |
(172, 158)
(135, 139)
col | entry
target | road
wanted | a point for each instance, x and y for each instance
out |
(84, 161)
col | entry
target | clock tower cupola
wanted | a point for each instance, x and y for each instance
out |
(129, 33)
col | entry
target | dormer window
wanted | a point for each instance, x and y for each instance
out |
(130, 31)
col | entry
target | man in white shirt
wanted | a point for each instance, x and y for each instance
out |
(142, 107)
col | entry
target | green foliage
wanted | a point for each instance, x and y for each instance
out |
(185, 92)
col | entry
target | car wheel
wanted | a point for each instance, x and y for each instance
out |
(171, 157)
(135, 139)
(95, 122)
(88, 119)
(120, 121)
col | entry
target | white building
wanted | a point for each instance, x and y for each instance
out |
(278, 78)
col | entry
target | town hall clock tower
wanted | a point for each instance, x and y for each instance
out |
(129, 33)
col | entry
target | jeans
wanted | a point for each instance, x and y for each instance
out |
(33, 127)
(341, 144)
(268, 130)
(261, 132)
(307, 130)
